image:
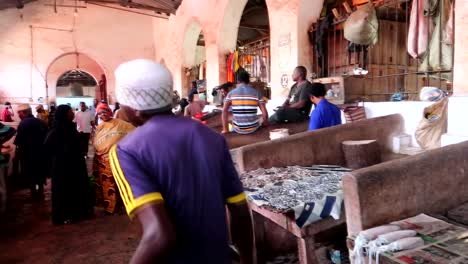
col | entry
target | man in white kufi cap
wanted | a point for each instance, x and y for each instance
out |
(176, 176)
(144, 86)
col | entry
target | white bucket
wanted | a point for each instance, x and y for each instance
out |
(279, 133)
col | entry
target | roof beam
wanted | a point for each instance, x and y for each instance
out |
(100, 3)
(261, 28)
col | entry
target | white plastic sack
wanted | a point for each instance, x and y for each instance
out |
(433, 125)
(362, 26)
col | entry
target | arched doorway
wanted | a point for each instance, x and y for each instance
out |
(245, 35)
(64, 68)
(194, 58)
(253, 42)
(76, 83)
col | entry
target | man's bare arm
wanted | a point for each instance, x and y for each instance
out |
(158, 235)
(264, 114)
(298, 105)
(242, 231)
(225, 116)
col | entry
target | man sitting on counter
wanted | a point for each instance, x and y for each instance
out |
(297, 107)
(325, 113)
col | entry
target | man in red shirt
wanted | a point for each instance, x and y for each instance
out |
(7, 113)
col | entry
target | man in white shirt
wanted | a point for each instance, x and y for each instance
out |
(84, 120)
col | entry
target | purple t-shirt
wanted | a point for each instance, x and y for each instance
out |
(189, 167)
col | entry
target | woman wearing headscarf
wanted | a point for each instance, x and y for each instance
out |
(71, 195)
(108, 133)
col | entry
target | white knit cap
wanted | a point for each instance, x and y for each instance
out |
(143, 85)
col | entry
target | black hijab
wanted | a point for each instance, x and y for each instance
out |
(61, 117)
(64, 133)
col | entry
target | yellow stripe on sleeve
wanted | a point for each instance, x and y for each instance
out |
(146, 199)
(131, 204)
(115, 166)
(238, 198)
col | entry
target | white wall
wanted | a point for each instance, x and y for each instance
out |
(200, 55)
(412, 112)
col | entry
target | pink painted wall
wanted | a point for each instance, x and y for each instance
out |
(96, 35)
(460, 85)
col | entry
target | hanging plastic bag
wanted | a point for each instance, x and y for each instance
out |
(431, 94)
(433, 125)
(362, 26)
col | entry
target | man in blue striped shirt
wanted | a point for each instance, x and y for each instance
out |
(244, 101)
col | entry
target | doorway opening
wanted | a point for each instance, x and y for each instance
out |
(194, 60)
(253, 47)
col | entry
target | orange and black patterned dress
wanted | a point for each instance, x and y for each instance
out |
(108, 134)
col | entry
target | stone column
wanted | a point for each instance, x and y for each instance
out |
(458, 105)
(290, 21)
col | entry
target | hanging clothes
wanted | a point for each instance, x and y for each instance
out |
(439, 55)
(356, 48)
(230, 72)
(419, 28)
(449, 27)
(258, 66)
(263, 69)
(236, 61)
(321, 40)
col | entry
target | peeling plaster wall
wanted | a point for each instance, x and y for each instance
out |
(97, 35)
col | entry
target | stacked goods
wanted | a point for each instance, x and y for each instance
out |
(312, 193)
(421, 239)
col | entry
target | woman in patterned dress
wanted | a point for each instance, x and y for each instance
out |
(108, 133)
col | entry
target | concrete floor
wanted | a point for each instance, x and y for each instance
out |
(28, 236)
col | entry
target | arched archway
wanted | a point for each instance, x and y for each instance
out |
(75, 61)
(245, 22)
(193, 56)
(76, 83)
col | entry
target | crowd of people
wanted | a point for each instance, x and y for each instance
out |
(176, 184)
(242, 101)
(55, 144)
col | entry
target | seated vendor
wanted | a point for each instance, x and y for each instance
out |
(195, 107)
(244, 101)
(325, 113)
(297, 107)
(193, 89)
(224, 90)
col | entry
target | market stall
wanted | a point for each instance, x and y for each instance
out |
(304, 201)
(419, 239)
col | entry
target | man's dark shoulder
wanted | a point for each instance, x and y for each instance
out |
(306, 84)
(30, 122)
(180, 127)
